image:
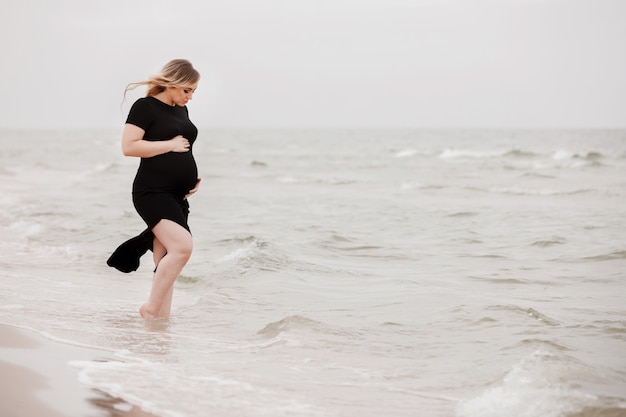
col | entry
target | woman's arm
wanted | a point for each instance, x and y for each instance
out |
(134, 145)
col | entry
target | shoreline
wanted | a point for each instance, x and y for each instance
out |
(37, 379)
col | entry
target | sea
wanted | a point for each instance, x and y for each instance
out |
(336, 272)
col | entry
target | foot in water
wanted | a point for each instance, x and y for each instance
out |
(146, 314)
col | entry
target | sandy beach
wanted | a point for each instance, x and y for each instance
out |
(37, 380)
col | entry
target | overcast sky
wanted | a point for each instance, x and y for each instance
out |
(321, 63)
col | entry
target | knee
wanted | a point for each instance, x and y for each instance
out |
(183, 251)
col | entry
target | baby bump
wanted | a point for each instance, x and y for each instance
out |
(171, 172)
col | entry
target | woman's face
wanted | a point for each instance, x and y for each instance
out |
(181, 95)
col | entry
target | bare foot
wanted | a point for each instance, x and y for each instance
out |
(145, 314)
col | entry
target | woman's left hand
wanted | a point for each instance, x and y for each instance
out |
(194, 189)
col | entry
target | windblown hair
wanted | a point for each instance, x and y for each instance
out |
(176, 73)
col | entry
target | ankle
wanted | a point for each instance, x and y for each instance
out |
(147, 313)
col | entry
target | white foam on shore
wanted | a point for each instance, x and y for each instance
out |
(540, 385)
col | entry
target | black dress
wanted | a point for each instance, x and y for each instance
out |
(162, 181)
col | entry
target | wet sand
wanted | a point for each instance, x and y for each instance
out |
(37, 380)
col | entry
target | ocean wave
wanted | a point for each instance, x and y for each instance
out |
(246, 240)
(567, 154)
(30, 237)
(531, 312)
(187, 279)
(297, 323)
(543, 384)
(288, 324)
(485, 255)
(618, 254)
(542, 317)
(407, 153)
(501, 280)
(538, 175)
(290, 179)
(545, 243)
(358, 248)
(517, 153)
(463, 214)
(253, 254)
(528, 191)
(418, 186)
(538, 345)
(610, 328)
(451, 153)
(562, 157)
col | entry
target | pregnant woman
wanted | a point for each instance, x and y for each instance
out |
(158, 131)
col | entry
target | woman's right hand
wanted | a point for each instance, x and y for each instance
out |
(179, 144)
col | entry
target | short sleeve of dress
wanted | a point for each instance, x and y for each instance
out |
(140, 114)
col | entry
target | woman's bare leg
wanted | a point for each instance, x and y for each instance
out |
(177, 242)
(158, 252)
(166, 307)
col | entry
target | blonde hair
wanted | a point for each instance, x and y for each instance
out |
(176, 73)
